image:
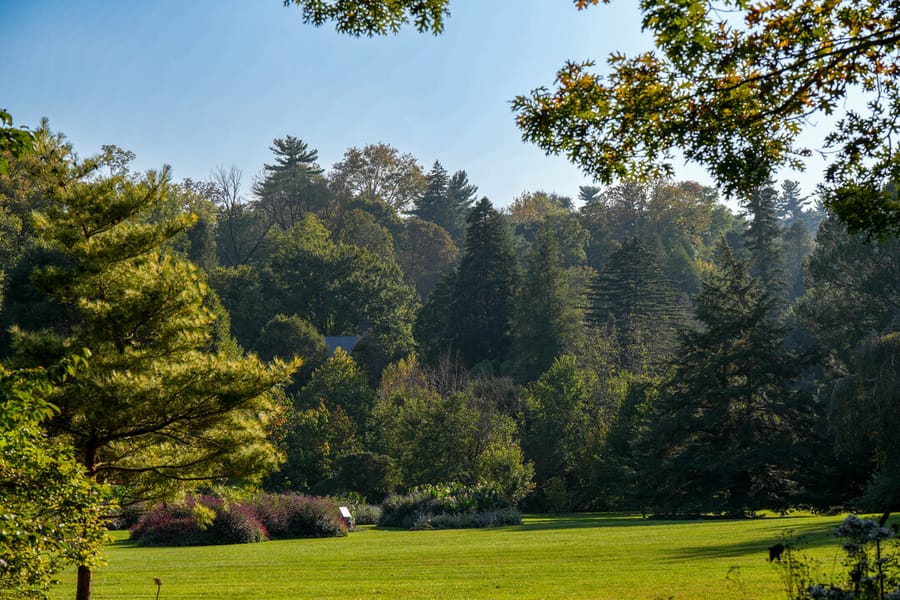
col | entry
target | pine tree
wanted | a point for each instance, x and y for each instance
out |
(633, 299)
(480, 317)
(722, 437)
(289, 191)
(165, 401)
(789, 205)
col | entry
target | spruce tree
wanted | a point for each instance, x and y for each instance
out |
(446, 201)
(546, 318)
(763, 238)
(432, 204)
(632, 299)
(461, 196)
(724, 435)
(480, 317)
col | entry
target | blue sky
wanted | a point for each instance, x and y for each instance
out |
(203, 83)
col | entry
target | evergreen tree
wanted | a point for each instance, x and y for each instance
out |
(725, 433)
(480, 318)
(546, 320)
(789, 205)
(797, 245)
(291, 187)
(633, 300)
(432, 329)
(461, 196)
(432, 205)
(165, 401)
(446, 201)
(763, 238)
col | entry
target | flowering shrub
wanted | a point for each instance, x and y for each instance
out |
(448, 506)
(205, 520)
(293, 515)
(871, 563)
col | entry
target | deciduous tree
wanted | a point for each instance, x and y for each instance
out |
(733, 85)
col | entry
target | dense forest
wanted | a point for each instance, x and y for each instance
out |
(377, 326)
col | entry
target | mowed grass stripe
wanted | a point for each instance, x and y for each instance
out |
(572, 556)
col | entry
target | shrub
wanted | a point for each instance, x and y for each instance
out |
(476, 520)
(448, 506)
(167, 525)
(237, 524)
(366, 514)
(293, 515)
(202, 520)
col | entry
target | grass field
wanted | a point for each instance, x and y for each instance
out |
(572, 556)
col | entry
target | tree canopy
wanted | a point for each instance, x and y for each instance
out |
(732, 85)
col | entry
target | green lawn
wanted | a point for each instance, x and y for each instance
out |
(573, 556)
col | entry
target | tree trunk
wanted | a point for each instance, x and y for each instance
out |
(85, 579)
(85, 575)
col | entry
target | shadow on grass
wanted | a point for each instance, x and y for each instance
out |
(801, 537)
(581, 521)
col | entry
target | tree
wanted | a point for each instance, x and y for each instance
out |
(53, 516)
(242, 229)
(461, 195)
(442, 436)
(726, 432)
(356, 17)
(291, 188)
(635, 303)
(339, 384)
(17, 141)
(286, 337)
(763, 237)
(165, 404)
(546, 321)
(446, 201)
(789, 205)
(853, 291)
(732, 89)
(562, 429)
(432, 204)
(480, 318)
(379, 172)
(425, 253)
(865, 414)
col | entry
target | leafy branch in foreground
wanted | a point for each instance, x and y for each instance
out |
(51, 514)
(732, 85)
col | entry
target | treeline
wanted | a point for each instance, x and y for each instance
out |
(639, 347)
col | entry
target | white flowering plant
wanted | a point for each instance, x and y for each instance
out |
(872, 565)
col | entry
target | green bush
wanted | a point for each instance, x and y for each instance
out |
(476, 520)
(450, 505)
